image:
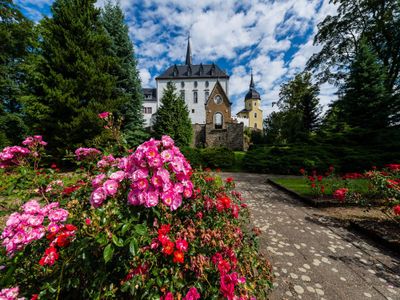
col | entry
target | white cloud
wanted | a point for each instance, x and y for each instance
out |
(247, 34)
(145, 77)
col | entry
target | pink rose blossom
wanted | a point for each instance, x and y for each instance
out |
(58, 215)
(118, 176)
(103, 115)
(97, 197)
(98, 180)
(110, 187)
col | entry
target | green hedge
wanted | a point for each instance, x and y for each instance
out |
(218, 158)
(289, 159)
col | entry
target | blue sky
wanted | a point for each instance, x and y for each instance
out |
(272, 38)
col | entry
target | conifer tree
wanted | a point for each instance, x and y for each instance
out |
(15, 41)
(74, 80)
(172, 118)
(128, 80)
(365, 102)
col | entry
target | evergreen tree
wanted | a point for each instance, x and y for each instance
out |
(128, 80)
(15, 41)
(299, 104)
(365, 102)
(73, 81)
(172, 118)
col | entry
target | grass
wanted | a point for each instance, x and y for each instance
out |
(302, 187)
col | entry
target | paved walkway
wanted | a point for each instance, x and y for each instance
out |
(312, 257)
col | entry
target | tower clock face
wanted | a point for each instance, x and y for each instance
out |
(218, 99)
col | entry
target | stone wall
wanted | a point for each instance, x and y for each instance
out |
(231, 136)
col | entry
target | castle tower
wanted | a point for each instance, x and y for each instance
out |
(252, 110)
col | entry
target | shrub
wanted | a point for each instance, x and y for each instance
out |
(151, 230)
(218, 157)
(193, 155)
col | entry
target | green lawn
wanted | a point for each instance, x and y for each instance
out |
(302, 187)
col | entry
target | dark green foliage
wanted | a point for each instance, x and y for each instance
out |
(377, 21)
(173, 118)
(15, 41)
(218, 157)
(299, 111)
(193, 156)
(128, 80)
(355, 150)
(365, 102)
(74, 78)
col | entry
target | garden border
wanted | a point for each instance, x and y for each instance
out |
(368, 233)
(307, 200)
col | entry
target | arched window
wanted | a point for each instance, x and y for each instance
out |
(207, 84)
(182, 84)
(195, 84)
(218, 120)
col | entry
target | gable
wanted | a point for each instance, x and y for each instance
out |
(212, 107)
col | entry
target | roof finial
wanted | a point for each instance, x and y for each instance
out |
(188, 52)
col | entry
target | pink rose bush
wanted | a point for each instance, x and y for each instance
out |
(16, 155)
(87, 153)
(142, 225)
(30, 225)
(10, 294)
(156, 171)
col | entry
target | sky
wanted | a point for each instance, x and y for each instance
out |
(273, 39)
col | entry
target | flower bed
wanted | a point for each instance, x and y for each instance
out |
(141, 226)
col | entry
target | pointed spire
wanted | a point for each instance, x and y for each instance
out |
(252, 86)
(188, 53)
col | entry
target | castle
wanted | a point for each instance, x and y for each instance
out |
(205, 89)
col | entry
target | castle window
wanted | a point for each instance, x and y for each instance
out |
(206, 95)
(255, 125)
(147, 110)
(195, 84)
(195, 99)
(192, 111)
(207, 84)
(255, 115)
(183, 94)
(218, 120)
(182, 84)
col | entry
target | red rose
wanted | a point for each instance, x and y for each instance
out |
(168, 248)
(164, 229)
(396, 210)
(179, 257)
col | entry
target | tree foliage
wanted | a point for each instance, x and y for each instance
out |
(73, 78)
(376, 21)
(172, 117)
(364, 101)
(128, 80)
(15, 42)
(299, 113)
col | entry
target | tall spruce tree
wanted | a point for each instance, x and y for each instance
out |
(15, 41)
(128, 80)
(365, 103)
(172, 118)
(74, 80)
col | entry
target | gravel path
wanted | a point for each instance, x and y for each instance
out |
(312, 257)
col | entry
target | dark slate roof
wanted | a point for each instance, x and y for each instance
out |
(242, 111)
(149, 94)
(193, 71)
(252, 93)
